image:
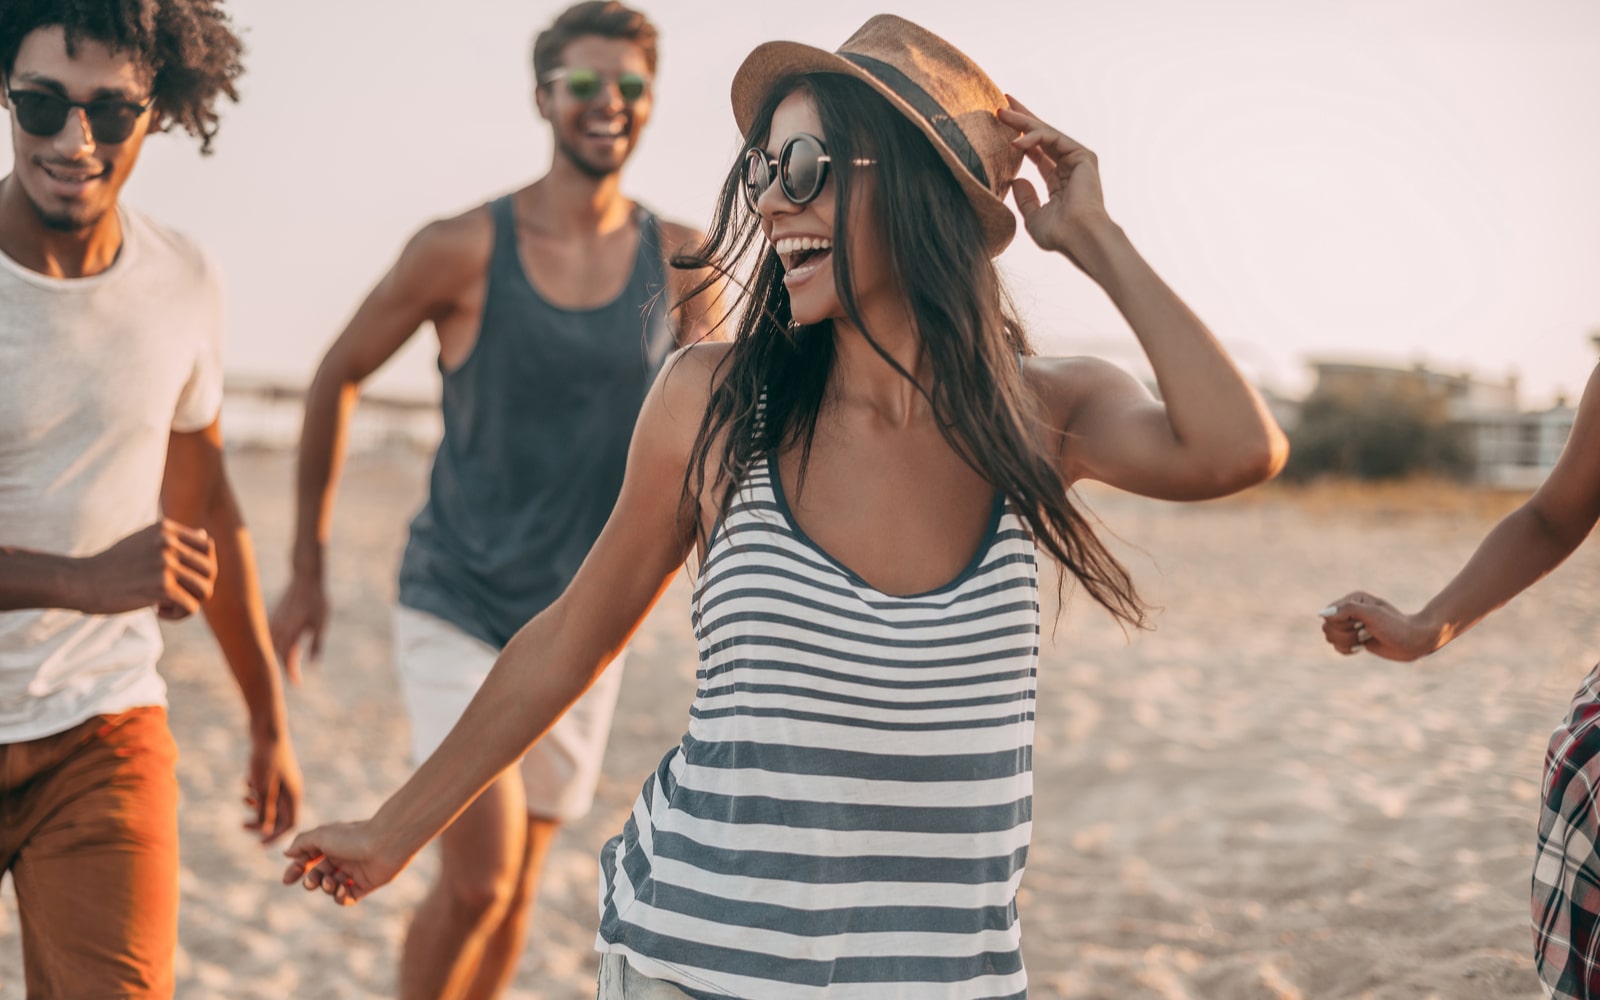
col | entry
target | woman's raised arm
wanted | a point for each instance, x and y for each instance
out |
(1210, 434)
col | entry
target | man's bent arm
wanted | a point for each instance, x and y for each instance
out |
(166, 565)
(37, 580)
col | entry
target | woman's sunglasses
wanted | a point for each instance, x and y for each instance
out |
(800, 168)
(584, 84)
(45, 115)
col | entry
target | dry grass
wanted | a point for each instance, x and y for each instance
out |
(1420, 496)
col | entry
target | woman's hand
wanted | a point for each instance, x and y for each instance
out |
(1073, 219)
(344, 860)
(1360, 621)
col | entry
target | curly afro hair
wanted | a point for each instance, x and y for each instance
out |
(189, 45)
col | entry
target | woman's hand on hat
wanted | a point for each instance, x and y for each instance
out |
(1072, 218)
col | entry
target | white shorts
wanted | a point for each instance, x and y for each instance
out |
(618, 981)
(441, 667)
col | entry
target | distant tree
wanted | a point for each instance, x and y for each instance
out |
(1382, 436)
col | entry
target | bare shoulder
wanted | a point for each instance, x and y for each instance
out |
(1063, 384)
(690, 376)
(699, 306)
(448, 254)
(677, 236)
(1047, 372)
(670, 421)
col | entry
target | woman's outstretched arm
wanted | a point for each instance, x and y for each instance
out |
(551, 661)
(1527, 544)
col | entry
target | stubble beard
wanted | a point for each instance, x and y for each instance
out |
(64, 222)
(588, 169)
(60, 223)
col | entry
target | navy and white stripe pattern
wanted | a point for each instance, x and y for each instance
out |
(849, 812)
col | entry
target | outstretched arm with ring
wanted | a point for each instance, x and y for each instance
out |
(549, 663)
(1525, 546)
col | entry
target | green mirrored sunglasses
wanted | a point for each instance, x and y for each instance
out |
(584, 83)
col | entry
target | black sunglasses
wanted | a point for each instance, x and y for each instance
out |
(801, 169)
(584, 83)
(44, 114)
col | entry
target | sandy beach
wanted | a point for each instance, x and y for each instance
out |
(1224, 807)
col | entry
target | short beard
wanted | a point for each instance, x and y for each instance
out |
(65, 223)
(586, 168)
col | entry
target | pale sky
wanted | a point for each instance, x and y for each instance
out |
(1398, 180)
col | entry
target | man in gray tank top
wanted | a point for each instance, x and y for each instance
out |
(551, 306)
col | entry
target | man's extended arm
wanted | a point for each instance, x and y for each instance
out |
(424, 285)
(195, 490)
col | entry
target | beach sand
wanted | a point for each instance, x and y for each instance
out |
(1224, 807)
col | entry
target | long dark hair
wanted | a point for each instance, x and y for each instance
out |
(967, 325)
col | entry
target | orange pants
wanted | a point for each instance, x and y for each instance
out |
(89, 833)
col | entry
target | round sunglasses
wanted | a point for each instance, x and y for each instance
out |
(800, 168)
(44, 114)
(584, 83)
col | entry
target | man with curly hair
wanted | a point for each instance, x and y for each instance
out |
(552, 310)
(114, 507)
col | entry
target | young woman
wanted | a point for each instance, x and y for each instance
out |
(865, 473)
(1527, 544)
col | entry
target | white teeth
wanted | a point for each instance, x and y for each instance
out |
(69, 178)
(796, 244)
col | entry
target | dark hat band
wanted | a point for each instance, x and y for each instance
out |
(938, 119)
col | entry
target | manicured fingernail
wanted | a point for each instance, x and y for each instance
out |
(1329, 611)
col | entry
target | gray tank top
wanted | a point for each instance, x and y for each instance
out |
(537, 422)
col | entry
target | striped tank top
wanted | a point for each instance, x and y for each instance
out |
(848, 815)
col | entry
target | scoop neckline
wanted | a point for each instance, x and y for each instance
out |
(984, 544)
(525, 273)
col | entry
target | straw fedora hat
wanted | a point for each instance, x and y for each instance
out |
(928, 80)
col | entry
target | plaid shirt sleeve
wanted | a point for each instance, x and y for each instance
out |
(1566, 870)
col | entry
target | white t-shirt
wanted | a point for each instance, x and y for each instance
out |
(94, 374)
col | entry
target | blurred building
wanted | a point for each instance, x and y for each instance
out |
(1510, 447)
(1518, 449)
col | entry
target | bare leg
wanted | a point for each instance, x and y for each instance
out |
(504, 948)
(482, 856)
